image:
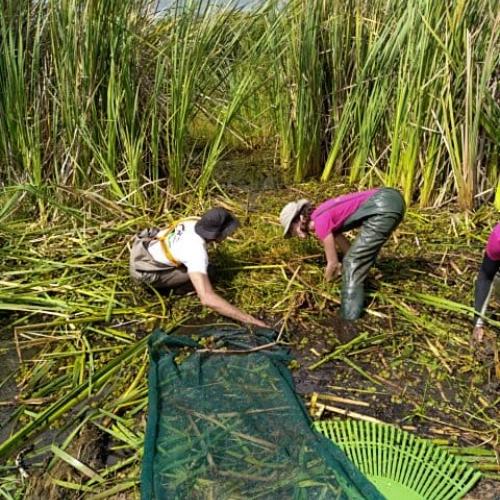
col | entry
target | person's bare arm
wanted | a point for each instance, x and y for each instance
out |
(209, 298)
(333, 267)
(343, 243)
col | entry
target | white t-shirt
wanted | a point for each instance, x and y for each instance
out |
(186, 246)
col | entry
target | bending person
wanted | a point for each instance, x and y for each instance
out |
(484, 283)
(178, 255)
(377, 212)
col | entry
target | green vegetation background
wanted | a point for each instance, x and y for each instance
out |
(113, 119)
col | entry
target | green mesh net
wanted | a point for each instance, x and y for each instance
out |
(230, 425)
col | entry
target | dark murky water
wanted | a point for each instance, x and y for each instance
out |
(9, 363)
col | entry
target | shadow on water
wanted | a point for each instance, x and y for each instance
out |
(256, 171)
(9, 364)
(395, 270)
(10, 406)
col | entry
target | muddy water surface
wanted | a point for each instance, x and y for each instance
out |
(8, 390)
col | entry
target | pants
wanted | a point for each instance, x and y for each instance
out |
(377, 218)
(484, 287)
(145, 270)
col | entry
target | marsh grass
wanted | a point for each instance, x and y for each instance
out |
(80, 324)
(113, 119)
(109, 94)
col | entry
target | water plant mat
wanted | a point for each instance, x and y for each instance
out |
(226, 424)
(400, 464)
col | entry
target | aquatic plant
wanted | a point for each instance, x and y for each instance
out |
(113, 97)
(79, 324)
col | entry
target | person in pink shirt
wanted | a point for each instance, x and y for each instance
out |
(377, 212)
(484, 283)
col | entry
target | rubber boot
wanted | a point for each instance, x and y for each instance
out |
(376, 218)
(352, 303)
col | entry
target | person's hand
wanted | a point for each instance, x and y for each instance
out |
(258, 322)
(333, 270)
(477, 334)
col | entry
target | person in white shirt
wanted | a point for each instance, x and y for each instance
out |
(178, 255)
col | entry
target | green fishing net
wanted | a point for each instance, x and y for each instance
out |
(230, 425)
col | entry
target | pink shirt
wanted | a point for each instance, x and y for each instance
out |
(331, 214)
(493, 245)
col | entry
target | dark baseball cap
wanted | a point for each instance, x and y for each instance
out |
(217, 223)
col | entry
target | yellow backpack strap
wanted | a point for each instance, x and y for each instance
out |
(163, 243)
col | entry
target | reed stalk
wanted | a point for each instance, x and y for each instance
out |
(110, 97)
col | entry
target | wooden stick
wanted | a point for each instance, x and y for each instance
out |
(330, 397)
(348, 413)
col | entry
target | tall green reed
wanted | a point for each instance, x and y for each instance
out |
(97, 77)
(105, 96)
(297, 87)
(434, 117)
(21, 95)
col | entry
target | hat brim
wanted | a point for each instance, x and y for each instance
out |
(226, 231)
(300, 205)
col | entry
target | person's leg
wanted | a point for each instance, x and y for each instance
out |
(139, 261)
(377, 218)
(172, 278)
(144, 270)
(164, 281)
(374, 232)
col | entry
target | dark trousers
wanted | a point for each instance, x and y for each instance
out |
(377, 218)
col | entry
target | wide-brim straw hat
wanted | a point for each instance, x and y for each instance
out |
(289, 212)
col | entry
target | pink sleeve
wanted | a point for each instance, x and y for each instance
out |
(322, 227)
(493, 245)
